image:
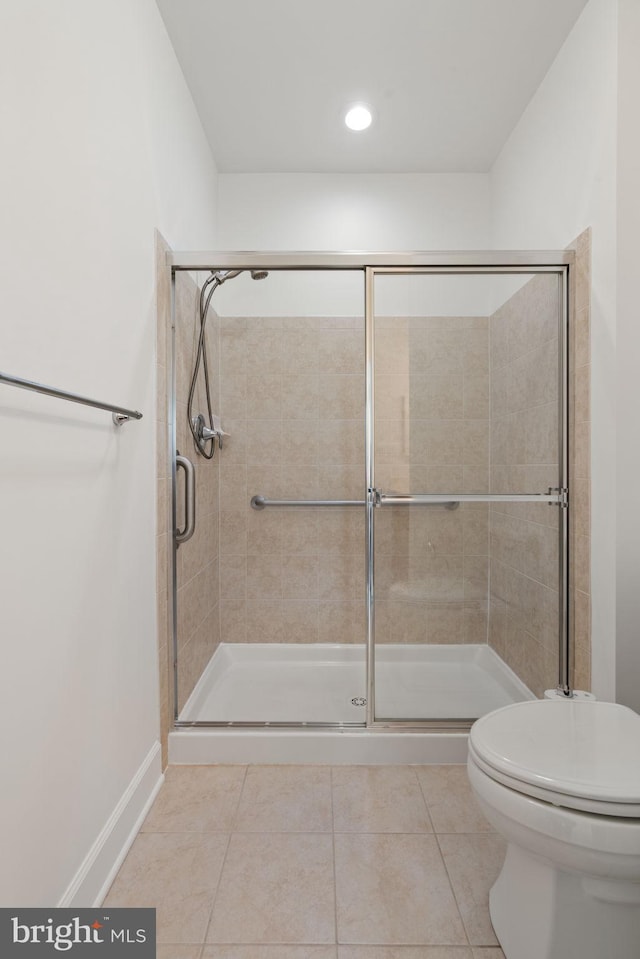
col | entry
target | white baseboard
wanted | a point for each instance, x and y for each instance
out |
(91, 883)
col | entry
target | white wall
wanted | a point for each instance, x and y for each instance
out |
(334, 212)
(412, 211)
(628, 339)
(100, 145)
(556, 176)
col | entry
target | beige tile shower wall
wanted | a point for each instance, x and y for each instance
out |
(432, 434)
(292, 398)
(580, 460)
(523, 621)
(197, 559)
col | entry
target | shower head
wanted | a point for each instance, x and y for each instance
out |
(221, 275)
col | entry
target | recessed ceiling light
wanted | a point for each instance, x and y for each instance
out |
(358, 117)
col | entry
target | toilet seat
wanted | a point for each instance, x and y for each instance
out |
(579, 755)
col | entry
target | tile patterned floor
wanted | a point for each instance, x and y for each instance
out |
(315, 862)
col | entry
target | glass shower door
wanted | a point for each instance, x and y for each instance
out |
(466, 472)
(270, 614)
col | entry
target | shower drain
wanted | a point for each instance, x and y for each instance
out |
(358, 701)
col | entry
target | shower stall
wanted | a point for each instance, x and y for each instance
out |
(370, 489)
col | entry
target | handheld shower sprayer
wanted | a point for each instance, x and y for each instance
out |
(205, 435)
(223, 275)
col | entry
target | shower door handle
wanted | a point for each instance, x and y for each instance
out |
(184, 534)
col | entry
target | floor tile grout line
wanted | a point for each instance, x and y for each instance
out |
(424, 799)
(268, 944)
(324, 832)
(453, 891)
(335, 876)
(215, 893)
(340, 945)
(224, 859)
(234, 818)
(318, 832)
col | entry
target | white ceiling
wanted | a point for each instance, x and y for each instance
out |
(447, 79)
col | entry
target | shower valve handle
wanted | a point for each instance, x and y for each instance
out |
(204, 433)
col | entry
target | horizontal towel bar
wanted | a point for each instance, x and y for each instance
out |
(260, 502)
(120, 413)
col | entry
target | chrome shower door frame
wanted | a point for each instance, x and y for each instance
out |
(372, 264)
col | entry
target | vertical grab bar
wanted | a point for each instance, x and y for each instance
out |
(182, 535)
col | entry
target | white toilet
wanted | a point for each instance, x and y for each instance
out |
(560, 781)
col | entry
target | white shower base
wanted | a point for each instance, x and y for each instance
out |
(298, 683)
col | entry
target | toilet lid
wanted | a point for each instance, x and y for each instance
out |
(589, 750)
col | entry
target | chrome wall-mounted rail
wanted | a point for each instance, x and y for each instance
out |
(260, 502)
(120, 413)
